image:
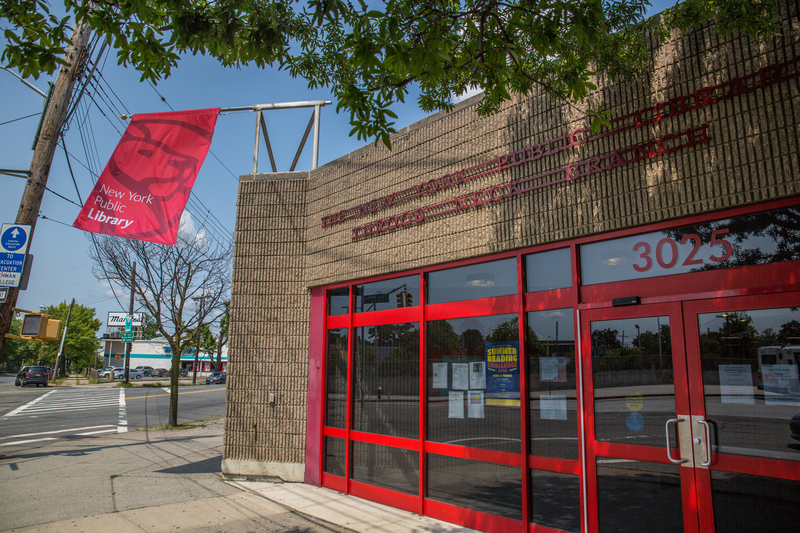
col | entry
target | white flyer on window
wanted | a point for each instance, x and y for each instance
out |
(456, 407)
(736, 384)
(439, 375)
(475, 403)
(553, 407)
(553, 369)
(781, 384)
(477, 375)
(460, 376)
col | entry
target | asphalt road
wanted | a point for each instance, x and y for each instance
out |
(33, 417)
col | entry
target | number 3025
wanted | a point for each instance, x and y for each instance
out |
(697, 242)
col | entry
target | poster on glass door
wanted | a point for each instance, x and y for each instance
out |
(502, 373)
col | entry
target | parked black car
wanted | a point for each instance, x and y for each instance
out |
(217, 377)
(32, 374)
(159, 372)
(182, 373)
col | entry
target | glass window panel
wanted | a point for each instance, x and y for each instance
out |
(473, 382)
(750, 380)
(548, 270)
(634, 391)
(391, 468)
(553, 413)
(336, 383)
(556, 500)
(757, 239)
(386, 380)
(339, 301)
(637, 497)
(745, 503)
(482, 280)
(486, 487)
(388, 294)
(335, 453)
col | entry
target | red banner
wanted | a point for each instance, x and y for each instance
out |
(144, 188)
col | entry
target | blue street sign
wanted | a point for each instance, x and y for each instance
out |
(13, 246)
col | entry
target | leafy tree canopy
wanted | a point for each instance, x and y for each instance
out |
(369, 54)
(81, 341)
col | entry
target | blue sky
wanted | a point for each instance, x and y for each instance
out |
(62, 269)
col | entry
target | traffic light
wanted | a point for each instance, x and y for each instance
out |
(400, 299)
(409, 300)
(40, 327)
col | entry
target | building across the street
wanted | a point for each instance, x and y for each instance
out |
(514, 323)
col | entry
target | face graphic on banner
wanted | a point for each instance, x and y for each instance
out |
(144, 188)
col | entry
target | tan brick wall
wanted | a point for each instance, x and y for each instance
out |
(282, 249)
(269, 326)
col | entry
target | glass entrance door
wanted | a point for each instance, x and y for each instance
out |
(745, 396)
(638, 421)
(693, 416)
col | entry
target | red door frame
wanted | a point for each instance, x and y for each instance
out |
(725, 462)
(650, 454)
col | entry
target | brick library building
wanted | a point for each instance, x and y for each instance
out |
(516, 324)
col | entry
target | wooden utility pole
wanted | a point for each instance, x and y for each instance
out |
(55, 115)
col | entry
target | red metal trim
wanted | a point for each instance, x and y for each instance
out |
(539, 301)
(475, 454)
(339, 433)
(486, 306)
(334, 482)
(374, 493)
(698, 285)
(553, 464)
(324, 381)
(387, 316)
(423, 398)
(337, 321)
(349, 417)
(757, 466)
(385, 440)
(523, 388)
(469, 518)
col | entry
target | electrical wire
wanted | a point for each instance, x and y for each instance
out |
(20, 118)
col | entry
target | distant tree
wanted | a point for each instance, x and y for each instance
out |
(81, 342)
(149, 328)
(18, 352)
(222, 336)
(181, 286)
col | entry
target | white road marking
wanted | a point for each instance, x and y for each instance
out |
(23, 407)
(122, 425)
(54, 432)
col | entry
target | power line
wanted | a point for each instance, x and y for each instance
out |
(20, 118)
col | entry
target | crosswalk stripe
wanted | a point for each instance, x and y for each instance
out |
(66, 400)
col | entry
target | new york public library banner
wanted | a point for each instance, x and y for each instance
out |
(712, 126)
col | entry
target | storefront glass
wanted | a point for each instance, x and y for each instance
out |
(387, 294)
(391, 468)
(482, 280)
(548, 270)
(552, 389)
(473, 382)
(386, 380)
(336, 386)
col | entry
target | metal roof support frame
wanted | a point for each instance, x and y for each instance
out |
(261, 125)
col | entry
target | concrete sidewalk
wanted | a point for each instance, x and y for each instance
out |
(162, 481)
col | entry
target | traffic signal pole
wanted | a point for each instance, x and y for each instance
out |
(60, 366)
(43, 153)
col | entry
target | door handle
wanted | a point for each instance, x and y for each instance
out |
(669, 452)
(707, 427)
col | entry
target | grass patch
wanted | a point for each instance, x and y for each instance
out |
(124, 385)
(114, 475)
